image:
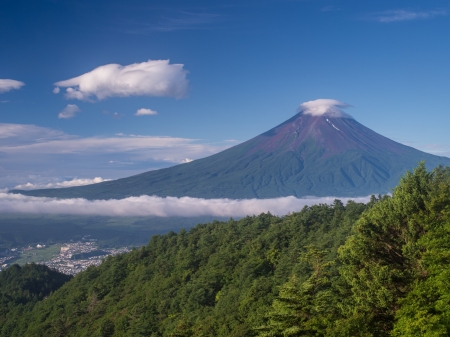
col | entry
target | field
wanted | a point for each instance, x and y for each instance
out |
(38, 255)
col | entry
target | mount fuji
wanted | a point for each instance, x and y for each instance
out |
(321, 151)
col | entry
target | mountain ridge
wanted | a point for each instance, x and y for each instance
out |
(310, 154)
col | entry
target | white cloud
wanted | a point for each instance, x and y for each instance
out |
(56, 90)
(21, 134)
(95, 145)
(157, 206)
(406, 15)
(8, 85)
(436, 149)
(69, 111)
(151, 78)
(144, 112)
(67, 183)
(49, 155)
(323, 106)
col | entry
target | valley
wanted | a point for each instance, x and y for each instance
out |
(68, 258)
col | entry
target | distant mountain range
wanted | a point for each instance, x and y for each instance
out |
(318, 152)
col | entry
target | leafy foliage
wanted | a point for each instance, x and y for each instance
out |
(393, 269)
(20, 289)
(302, 309)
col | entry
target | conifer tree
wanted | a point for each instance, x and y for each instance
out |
(302, 308)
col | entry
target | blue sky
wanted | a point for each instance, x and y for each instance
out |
(243, 67)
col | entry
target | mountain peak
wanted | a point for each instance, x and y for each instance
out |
(321, 151)
(325, 107)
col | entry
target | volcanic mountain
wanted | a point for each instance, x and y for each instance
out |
(321, 151)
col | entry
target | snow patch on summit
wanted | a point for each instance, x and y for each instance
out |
(332, 124)
(325, 107)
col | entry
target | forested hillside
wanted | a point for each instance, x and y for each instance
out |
(21, 288)
(217, 279)
(380, 269)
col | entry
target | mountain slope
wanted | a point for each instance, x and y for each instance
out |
(320, 154)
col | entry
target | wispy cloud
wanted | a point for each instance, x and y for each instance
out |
(405, 15)
(8, 85)
(151, 78)
(46, 154)
(159, 147)
(62, 184)
(186, 20)
(117, 115)
(436, 149)
(157, 206)
(175, 21)
(329, 9)
(21, 134)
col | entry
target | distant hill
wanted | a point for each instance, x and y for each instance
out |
(312, 154)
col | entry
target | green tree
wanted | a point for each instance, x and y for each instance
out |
(379, 261)
(425, 311)
(107, 328)
(302, 308)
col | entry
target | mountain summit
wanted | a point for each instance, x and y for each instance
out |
(321, 151)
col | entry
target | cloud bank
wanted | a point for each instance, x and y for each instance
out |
(406, 15)
(165, 146)
(67, 183)
(39, 155)
(330, 107)
(161, 207)
(21, 134)
(145, 112)
(151, 78)
(69, 111)
(20, 139)
(8, 85)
